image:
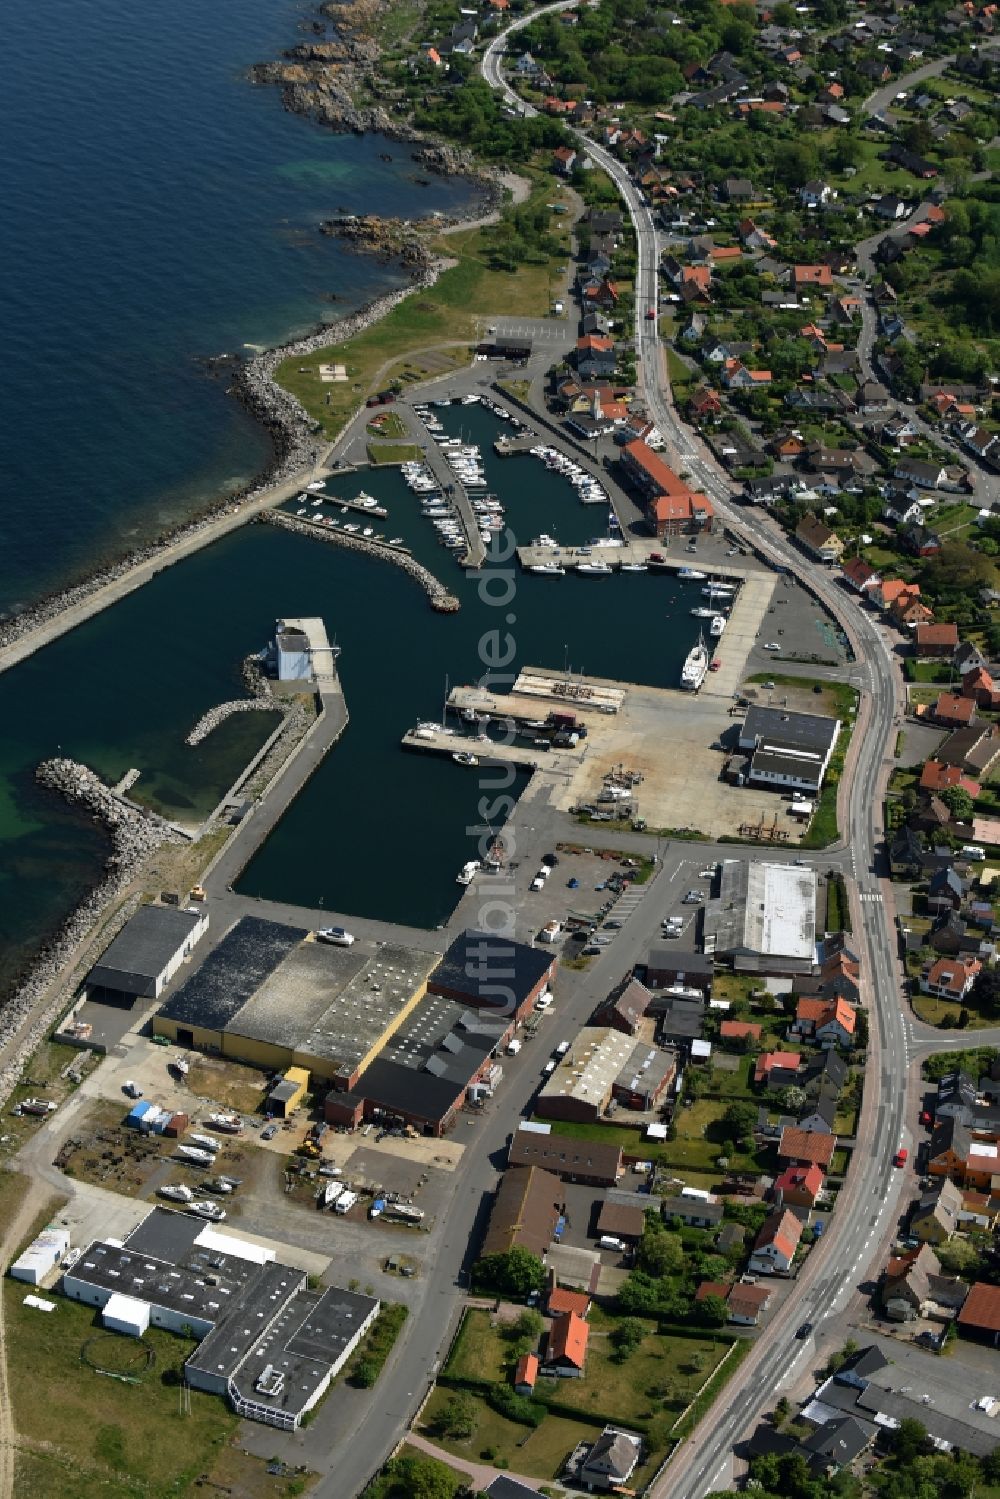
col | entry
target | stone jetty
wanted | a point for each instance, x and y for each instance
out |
(211, 720)
(441, 600)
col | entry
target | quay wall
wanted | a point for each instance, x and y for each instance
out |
(440, 598)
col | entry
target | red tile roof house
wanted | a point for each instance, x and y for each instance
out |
(936, 777)
(744, 1302)
(859, 576)
(526, 1374)
(811, 275)
(830, 1021)
(804, 1147)
(979, 685)
(954, 712)
(739, 1030)
(934, 640)
(566, 1350)
(777, 1068)
(774, 1248)
(798, 1186)
(950, 978)
(980, 1315)
(562, 1300)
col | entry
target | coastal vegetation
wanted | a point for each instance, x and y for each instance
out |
(509, 267)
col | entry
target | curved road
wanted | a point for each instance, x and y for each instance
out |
(867, 1208)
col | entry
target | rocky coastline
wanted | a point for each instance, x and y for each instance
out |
(134, 835)
(212, 719)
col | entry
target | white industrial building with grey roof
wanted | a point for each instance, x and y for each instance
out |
(790, 751)
(764, 917)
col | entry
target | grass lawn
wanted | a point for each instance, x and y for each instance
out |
(662, 1369)
(100, 1435)
(437, 319)
(701, 1139)
(387, 424)
(393, 452)
(945, 1012)
(681, 377)
(726, 1084)
(539, 1452)
(479, 1352)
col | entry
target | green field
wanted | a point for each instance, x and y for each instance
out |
(393, 452)
(96, 1435)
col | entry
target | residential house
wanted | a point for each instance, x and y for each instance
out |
(953, 711)
(745, 1303)
(913, 1286)
(950, 978)
(888, 206)
(798, 1186)
(693, 1212)
(778, 1069)
(981, 688)
(935, 641)
(816, 194)
(754, 238)
(937, 776)
(860, 576)
(526, 1374)
(873, 397)
(740, 1032)
(968, 657)
(808, 277)
(980, 1316)
(774, 1248)
(566, 1346)
(830, 1022)
(828, 1071)
(817, 538)
(820, 1116)
(906, 853)
(562, 1300)
(836, 1445)
(976, 749)
(935, 1217)
(954, 1153)
(611, 1461)
(595, 356)
(704, 404)
(945, 890)
(564, 160)
(624, 1007)
(923, 475)
(806, 1147)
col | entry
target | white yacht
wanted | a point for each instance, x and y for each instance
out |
(550, 569)
(717, 626)
(695, 668)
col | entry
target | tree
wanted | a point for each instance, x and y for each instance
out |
(517, 1272)
(959, 803)
(458, 1416)
(626, 1336)
(421, 1478)
(985, 992)
(792, 1098)
(739, 1119)
(661, 1253)
(529, 1324)
(711, 1311)
(910, 1440)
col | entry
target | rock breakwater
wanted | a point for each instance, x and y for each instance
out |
(440, 599)
(222, 711)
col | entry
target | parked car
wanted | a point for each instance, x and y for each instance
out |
(693, 898)
(901, 1156)
(269, 1131)
(772, 645)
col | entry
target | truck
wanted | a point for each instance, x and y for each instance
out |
(550, 931)
(513, 1047)
(345, 1202)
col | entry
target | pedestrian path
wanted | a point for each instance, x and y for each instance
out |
(481, 1473)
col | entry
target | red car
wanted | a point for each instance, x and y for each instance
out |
(900, 1158)
(650, 314)
(926, 1117)
(715, 665)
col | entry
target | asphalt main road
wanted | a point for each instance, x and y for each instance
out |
(867, 1204)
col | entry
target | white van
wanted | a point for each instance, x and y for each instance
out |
(608, 1241)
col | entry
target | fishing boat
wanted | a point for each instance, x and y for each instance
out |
(593, 569)
(550, 569)
(633, 567)
(468, 873)
(465, 757)
(690, 572)
(317, 484)
(717, 626)
(703, 613)
(695, 667)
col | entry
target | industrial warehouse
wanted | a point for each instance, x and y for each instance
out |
(394, 1034)
(267, 1343)
(764, 917)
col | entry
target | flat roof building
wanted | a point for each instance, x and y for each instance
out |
(266, 1343)
(147, 952)
(493, 972)
(267, 996)
(764, 917)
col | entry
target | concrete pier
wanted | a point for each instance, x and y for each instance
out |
(522, 752)
(378, 511)
(475, 550)
(636, 551)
